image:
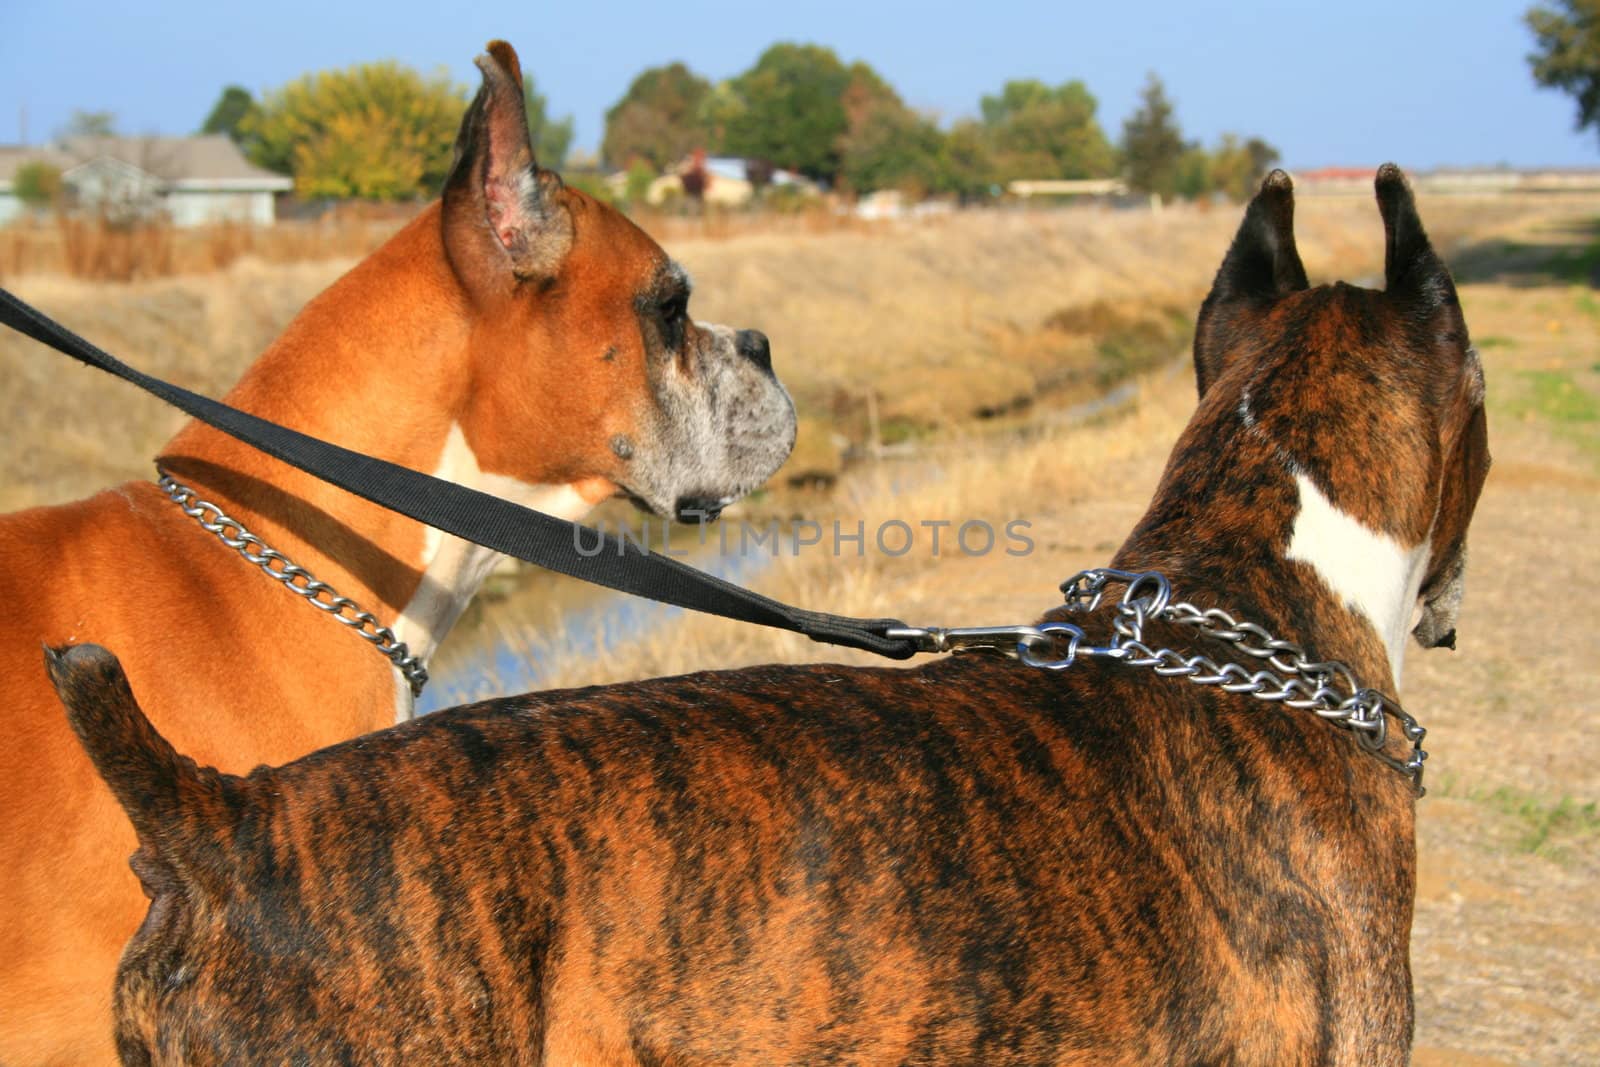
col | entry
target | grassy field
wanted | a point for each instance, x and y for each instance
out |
(975, 336)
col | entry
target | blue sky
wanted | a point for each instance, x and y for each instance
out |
(1348, 82)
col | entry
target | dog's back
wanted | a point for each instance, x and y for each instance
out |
(970, 862)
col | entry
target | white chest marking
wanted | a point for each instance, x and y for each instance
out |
(453, 569)
(1372, 573)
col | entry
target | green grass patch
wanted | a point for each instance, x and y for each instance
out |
(1585, 302)
(896, 430)
(1545, 827)
(1141, 346)
(1554, 398)
(1496, 341)
(1553, 395)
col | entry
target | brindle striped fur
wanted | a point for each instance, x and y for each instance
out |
(969, 862)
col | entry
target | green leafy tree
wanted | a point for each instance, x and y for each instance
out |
(551, 138)
(866, 95)
(1237, 166)
(660, 119)
(1566, 55)
(229, 112)
(375, 130)
(790, 109)
(37, 184)
(886, 145)
(1037, 131)
(1152, 143)
(91, 124)
(893, 148)
(640, 177)
(968, 168)
(1195, 173)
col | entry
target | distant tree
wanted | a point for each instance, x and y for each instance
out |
(91, 124)
(790, 109)
(640, 177)
(893, 148)
(720, 107)
(1566, 55)
(1037, 131)
(886, 145)
(660, 119)
(551, 138)
(1194, 175)
(228, 112)
(968, 167)
(375, 130)
(37, 184)
(1152, 143)
(1236, 167)
(866, 95)
(1263, 157)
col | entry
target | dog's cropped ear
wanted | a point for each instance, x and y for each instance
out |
(504, 218)
(1262, 264)
(1413, 273)
(181, 813)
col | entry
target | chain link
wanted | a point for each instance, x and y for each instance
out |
(297, 579)
(1327, 689)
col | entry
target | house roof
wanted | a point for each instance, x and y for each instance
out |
(193, 162)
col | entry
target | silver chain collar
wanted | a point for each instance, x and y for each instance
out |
(1327, 688)
(297, 579)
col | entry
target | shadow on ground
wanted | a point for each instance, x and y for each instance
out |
(1565, 252)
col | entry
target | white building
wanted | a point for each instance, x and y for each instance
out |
(727, 184)
(190, 180)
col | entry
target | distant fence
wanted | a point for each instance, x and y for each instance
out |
(1353, 182)
(1065, 187)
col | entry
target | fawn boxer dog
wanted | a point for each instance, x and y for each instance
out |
(518, 336)
(975, 861)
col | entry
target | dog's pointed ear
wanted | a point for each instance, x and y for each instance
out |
(1262, 264)
(183, 815)
(1412, 271)
(504, 219)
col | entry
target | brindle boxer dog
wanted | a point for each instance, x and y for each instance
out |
(970, 862)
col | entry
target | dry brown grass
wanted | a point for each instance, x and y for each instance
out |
(99, 250)
(932, 318)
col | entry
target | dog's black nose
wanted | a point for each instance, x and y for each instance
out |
(752, 345)
(697, 509)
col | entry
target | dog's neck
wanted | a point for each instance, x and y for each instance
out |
(454, 570)
(1369, 572)
(378, 363)
(1237, 523)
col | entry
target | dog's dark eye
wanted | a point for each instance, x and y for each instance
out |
(674, 313)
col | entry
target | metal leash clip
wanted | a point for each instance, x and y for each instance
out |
(1032, 645)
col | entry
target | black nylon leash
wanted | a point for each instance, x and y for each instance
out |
(529, 535)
